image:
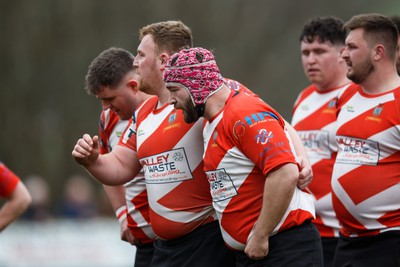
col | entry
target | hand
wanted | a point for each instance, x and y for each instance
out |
(126, 234)
(257, 248)
(86, 150)
(306, 173)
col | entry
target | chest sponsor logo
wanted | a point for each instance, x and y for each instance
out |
(316, 144)
(167, 167)
(221, 185)
(357, 151)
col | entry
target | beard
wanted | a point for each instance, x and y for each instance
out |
(361, 71)
(189, 112)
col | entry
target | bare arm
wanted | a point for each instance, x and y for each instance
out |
(15, 205)
(115, 168)
(306, 174)
(116, 195)
(278, 191)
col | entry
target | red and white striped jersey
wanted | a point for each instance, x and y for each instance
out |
(366, 174)
(111, 129)
(8, 181)
(314, 118)
(244, 142)
(170, 151)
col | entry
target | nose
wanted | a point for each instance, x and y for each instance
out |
(311, 58)
(344, 53)
(172, 101)
(136, 62)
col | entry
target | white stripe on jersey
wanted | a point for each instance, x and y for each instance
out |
(311, 104)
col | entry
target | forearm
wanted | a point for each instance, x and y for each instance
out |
(18, 202)
(116, 195)
(114, 168)
(306, 173)
(297, 142)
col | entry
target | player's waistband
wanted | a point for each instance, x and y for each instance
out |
(199, 232)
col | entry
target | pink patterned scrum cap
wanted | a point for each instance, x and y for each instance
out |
(196, 70)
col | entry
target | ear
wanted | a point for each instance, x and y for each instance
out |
(133, 84)
(164, 58)
(379, 52)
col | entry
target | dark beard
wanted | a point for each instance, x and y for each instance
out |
(362, 72)
(189, 112)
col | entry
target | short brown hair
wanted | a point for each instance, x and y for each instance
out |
(377, 28)
(108, 69)
(169, 36)
(396, 20)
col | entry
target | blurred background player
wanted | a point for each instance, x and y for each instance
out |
(112, 79)
(17, 198)
(314, 116)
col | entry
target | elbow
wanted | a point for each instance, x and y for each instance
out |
(23, 198)
(292, 175)
(26, 202)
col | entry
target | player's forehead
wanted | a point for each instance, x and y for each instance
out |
(316, 43)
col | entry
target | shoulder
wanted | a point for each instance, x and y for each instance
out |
(249, 109)
(237, 86)
(347, 93)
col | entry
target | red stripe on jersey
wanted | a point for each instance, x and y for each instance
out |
(321, 186)
(351, 224)
(372, 123)
(324, 231)
(199, 187)
(303, 95)
(322, 116)
(108, 120)
(391, 218)
(363, 182)
(141, 205)
(165, 144)
(294, 218)
(235, 218)
(162, 225)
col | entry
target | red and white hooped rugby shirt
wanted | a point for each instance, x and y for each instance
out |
(366, 174)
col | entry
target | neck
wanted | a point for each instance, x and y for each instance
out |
(381, 81)
(163, 97)
(216, 102)
(337, 83)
